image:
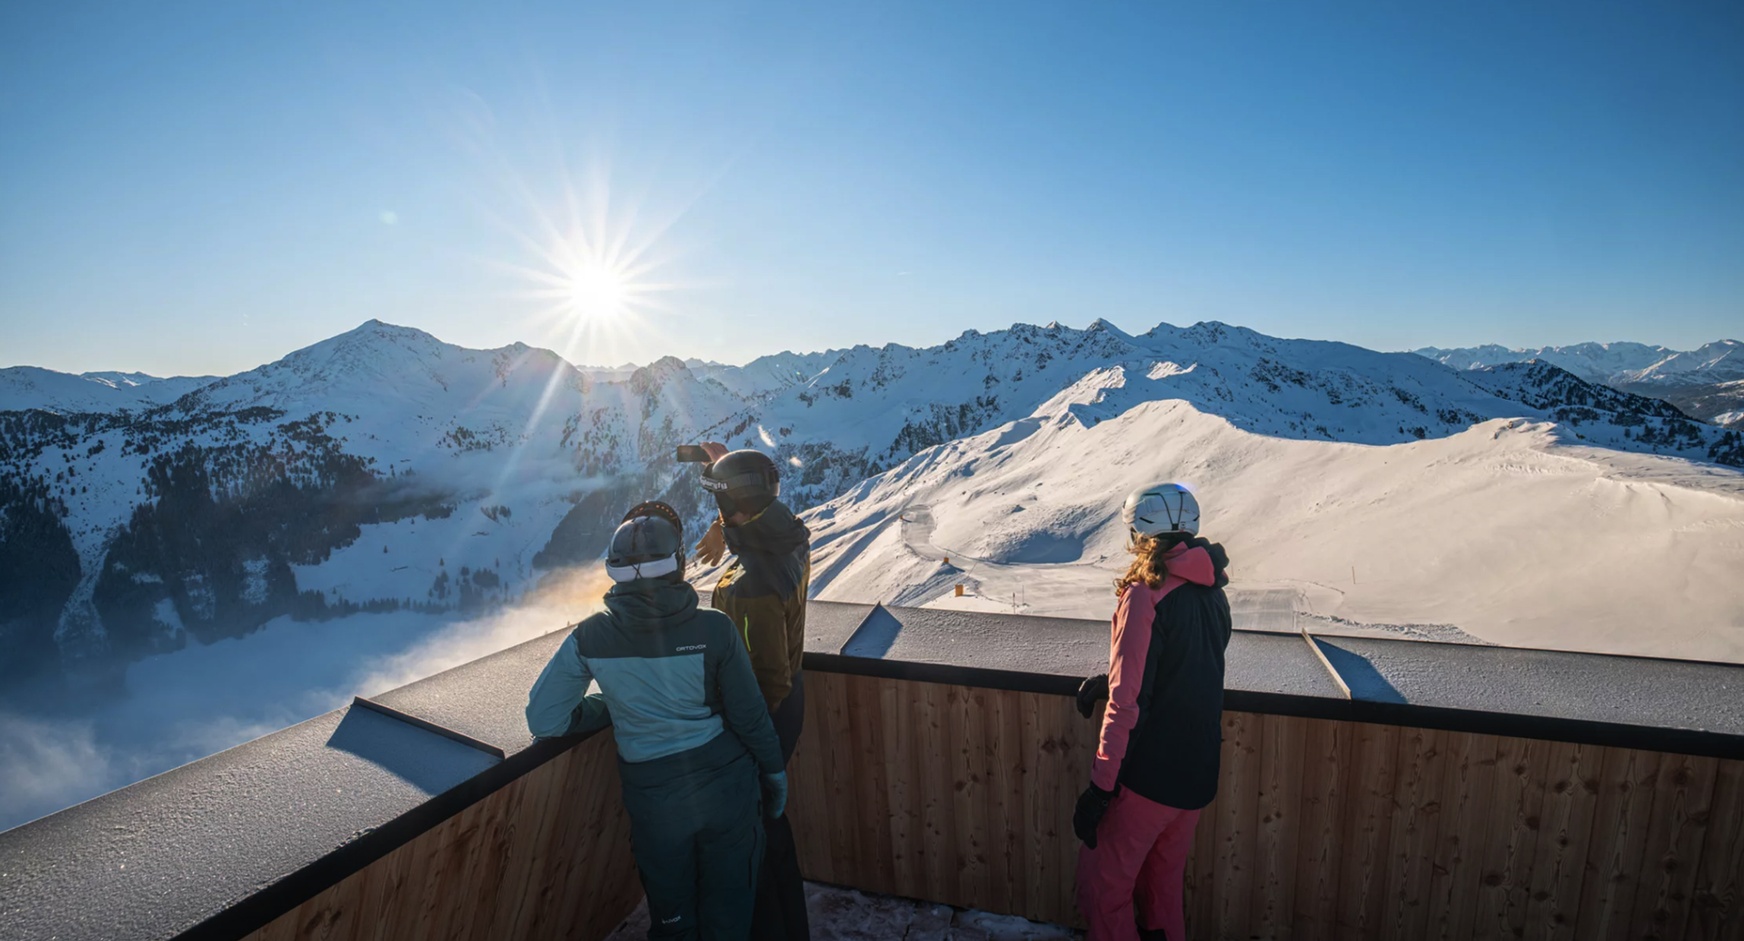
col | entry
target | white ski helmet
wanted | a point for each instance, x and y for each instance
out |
(1161, 509)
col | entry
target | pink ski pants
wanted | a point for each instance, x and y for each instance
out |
(1140, 859)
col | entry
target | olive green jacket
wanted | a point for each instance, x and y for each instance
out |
(763, 591)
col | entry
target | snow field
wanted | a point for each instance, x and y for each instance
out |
(1501, 531)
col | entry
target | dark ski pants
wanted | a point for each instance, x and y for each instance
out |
(781, 914)
(696, 831)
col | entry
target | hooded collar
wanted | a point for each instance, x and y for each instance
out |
(646, 603)
(775, 530)
(772, 549)
(1199, 562)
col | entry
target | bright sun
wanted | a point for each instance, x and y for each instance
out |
(593, 276)
(596, 290)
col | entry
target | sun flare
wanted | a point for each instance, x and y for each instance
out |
(597, 290)
(594, 265)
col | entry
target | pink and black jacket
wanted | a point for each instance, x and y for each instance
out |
(1164, 726)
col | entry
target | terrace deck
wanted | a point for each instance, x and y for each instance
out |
(1461, 792)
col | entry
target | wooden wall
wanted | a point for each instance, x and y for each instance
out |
(1321, 829)
(548, 856)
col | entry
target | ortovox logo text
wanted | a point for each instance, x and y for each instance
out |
(691, 647)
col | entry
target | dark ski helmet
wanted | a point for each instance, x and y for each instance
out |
(656, 508)
(744, 481)
(645, 547)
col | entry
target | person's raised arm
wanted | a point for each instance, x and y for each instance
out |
(559, 703)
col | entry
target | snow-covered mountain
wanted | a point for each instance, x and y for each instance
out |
(765, 375)
(874, 407)
(1705, 383)
(1616, 364)
(383, 468)
(1512, 530)
(1594, 362)
(26, 387)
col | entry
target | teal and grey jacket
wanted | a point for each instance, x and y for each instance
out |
(672, 677)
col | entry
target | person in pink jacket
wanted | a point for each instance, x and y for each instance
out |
(1157, 756)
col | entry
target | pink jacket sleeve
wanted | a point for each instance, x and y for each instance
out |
(1129, 649)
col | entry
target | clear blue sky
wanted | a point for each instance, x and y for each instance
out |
(200, 188)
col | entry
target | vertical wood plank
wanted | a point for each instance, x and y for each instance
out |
(893, 705)
(1280, 781)
(1324, 770)
(1363, 879)
(968, 795)
(1571, 794)
(1234, 817)
(1468, 776)
(1717, 902)
(932, 769)
(809, 797)
(1040, 879)
(1007, 786)
(1619, 839)
(1511, 837)
(839, 757)
(1682, 796)
(994, 828)
(866, 730)
(1416, 828)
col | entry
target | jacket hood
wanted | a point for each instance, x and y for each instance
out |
(646, 603)
(1199, 561)
(773, 547)
(775, 530)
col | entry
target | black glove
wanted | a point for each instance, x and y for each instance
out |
(1092, 804)
(1091, 690)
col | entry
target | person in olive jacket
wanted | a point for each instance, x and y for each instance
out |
(763, 590)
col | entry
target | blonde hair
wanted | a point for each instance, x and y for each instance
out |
(1148, 565)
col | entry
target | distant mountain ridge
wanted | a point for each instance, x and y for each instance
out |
(1707, 383)
(25, 387)
(1611, 363)
(384, 467)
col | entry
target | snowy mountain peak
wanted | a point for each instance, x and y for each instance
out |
(1100, 325)
(652, 377)
(1719, 361)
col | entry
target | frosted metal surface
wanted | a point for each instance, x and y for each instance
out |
(1257, 661)
(487, 698)
(1545, 684)
(157, 857)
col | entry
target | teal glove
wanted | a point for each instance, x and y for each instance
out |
(775, 794)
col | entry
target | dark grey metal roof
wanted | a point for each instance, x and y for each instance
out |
(156, 858)
(1059, 647)
(829, 624)
(1544, 684)
(486, 699)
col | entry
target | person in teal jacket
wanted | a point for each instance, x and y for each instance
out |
(698, 756)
